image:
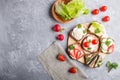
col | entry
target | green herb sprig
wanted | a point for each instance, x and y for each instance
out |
(111, 66)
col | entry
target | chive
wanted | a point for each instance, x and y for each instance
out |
(71, 47)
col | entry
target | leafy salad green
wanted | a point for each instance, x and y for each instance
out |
(71, 10)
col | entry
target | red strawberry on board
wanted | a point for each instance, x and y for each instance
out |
(61, 57)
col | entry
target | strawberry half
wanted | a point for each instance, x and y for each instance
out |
(110, 49)
(61, 57)
(73, 70)
(75, 52)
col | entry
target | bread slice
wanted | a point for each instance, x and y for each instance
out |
(73, 31)
(72, 40)
(55, 15)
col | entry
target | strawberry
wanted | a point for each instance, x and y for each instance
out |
(75, 51)
(61, 57)
(110, 49)
(73, 70)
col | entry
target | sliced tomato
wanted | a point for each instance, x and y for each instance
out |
(110, 49)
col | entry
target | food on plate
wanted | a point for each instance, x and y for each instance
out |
(61, 57)
(60, 37)
(107, 45)
(78, 32)
(97, 29)
(73, 70)
(93, 60)
(66, 10)
(89, 46)
(90, 43)
(75, 51)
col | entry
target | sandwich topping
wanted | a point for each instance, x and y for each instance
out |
(91, 43)
(78, 32)
(75, 51)
(93, 60)
(107, 45)
(97, 29)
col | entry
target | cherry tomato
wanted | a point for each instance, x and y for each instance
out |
(94, 41)
(86, 44)
(103, 8)
(60, 37)
(106, 19)
(95, 12)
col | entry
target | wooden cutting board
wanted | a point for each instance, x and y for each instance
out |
(71, 40)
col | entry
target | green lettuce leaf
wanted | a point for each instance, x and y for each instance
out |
(71, 10)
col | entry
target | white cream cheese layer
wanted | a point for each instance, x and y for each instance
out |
(78, 33)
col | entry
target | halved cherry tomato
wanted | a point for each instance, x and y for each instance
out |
(86, 44)
(103, 8)
(95, 11)
(110, 49)
(94, 41)
(106, 19)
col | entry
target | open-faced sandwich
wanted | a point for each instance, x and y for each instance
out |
(88, 44)
(66, 10)
(93, 60)
(107, 45)
(78, 32)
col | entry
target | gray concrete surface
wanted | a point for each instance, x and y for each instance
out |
(25, 31)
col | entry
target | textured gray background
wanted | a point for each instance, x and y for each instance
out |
(25, 31)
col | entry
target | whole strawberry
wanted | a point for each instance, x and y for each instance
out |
(61, 57)
(73, 70)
